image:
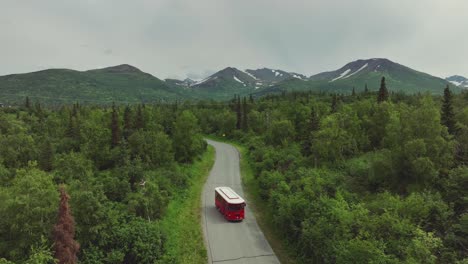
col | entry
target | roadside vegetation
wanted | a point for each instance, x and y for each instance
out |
(127, 172)
(182, 222)
(362, 178)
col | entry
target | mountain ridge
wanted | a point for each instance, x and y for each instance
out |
(121, 83)
(359, 73)
(127, 83)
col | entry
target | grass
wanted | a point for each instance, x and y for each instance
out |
(182, 222)
(263, 214)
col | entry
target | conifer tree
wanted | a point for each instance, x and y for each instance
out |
(39, 112)
(127, 118)
(313, 126)
(334, 105)
(115, 128)
(383, 92)
(139, 121)
(314, 121)
(66, 248)
(75, 110)
(354, 92)
(46, 157)
(365, 89)
(73, 130)
(244, 114)
(238, 112)
(448, 117)
(251, 100)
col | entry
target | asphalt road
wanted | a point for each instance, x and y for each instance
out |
(231, 242)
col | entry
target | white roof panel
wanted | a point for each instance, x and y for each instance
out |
(229, 195)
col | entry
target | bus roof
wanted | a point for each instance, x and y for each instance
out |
(229, 195)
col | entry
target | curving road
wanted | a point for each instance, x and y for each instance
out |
(227, 242)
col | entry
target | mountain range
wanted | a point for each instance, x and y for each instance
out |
(127, 84)
(361, 73)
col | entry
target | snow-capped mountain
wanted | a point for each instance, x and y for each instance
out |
(357, 74)
(226, 79)
(268, 76)
(362, 67)
(458, 80)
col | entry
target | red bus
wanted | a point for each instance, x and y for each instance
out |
(229, 204)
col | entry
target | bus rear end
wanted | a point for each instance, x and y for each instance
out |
(229, 204)
(235, 212)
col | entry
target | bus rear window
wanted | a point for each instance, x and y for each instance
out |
(235, 207)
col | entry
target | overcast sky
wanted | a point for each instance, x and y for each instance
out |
(179, 38)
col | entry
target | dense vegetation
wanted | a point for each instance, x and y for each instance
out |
(363, 178)
(123, 83)
(121, 166)
(366, 178)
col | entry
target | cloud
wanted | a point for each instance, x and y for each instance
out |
(185, 38)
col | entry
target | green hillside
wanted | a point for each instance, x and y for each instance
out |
(121, 83)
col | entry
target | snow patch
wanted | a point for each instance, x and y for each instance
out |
(457, 83)
(249, 74)
(297, 76)
(204, 80)
(343, 74)
(277, 73)
(365, 65)
(235, 78)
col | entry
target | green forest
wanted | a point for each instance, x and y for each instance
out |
(362, 178)
(369, 177)
(120, 165)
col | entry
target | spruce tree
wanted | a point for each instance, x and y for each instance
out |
(448, 117)
(314, 121)
(73, 130)
(334, 104)
(244, 114)
(46, 156)
(354, 92)
(383, 92)
(39, 112)
(365, 89)
(115, 128)
(75, 110)
(251, 100)
(127, 118)
(313, 125)
(139, 121)
(69, 132)
(66, 248)
(238, 113)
